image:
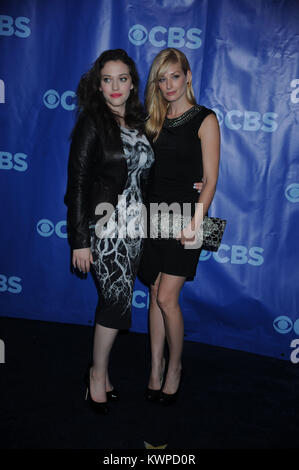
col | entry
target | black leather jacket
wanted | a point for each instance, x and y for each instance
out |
(97, 172)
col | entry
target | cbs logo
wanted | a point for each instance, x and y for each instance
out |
(236, 119)
(52, 99)
(292, 192)
(140, 299)
(10, 284)
(159, 36)
(236, 254)
(284, 325)
(45, 228)
(17, 27)
(8, 161)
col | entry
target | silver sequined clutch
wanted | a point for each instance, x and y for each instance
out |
(169, 225)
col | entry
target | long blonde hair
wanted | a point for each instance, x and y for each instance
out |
(156, 105)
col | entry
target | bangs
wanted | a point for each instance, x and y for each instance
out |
(170, 59)
(165, 66)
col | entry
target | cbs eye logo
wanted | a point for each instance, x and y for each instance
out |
(45, 228)
(292, 192)
(52, 99)
(138, 34)
(284, 325)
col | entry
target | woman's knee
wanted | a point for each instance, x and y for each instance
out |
(167, 302)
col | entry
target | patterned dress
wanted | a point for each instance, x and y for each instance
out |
(117, 248)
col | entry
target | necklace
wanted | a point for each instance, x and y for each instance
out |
(179, 114)
(183, 118)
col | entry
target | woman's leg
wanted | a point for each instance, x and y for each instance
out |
(99, 379)
(157, 338)
(168, 301)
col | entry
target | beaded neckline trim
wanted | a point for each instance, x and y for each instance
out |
(183, 118)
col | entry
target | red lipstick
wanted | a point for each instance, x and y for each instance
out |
(170, 93)
(116, 95)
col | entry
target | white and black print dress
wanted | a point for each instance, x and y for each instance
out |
(117, 251)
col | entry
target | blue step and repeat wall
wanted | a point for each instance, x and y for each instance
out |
(244, 58)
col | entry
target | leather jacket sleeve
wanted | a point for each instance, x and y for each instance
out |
(80, 170)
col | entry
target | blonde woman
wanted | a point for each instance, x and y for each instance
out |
(186, 141)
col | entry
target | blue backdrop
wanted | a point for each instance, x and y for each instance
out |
(244, 58)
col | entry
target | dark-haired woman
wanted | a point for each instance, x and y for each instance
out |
(109, 162)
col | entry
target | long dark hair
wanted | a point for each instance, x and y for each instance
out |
(90, 99)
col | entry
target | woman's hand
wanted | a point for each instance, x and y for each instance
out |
(82, 258)
(198, 185)
(187, 235)
(190, 236)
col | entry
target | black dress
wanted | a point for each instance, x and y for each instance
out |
(178, 165)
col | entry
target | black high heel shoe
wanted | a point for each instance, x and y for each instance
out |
(101, 408)
(168, 399)
(154, 395)
(112, 395)
(98, 407)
